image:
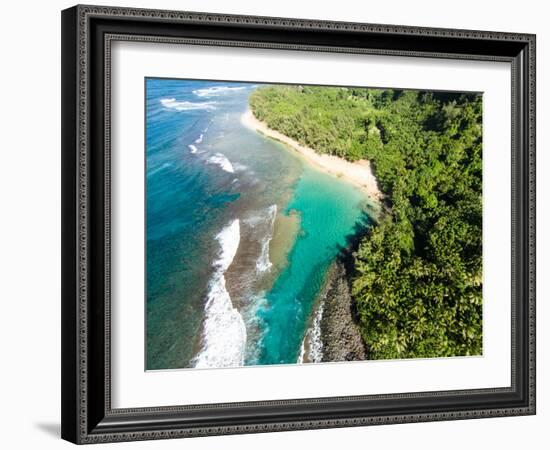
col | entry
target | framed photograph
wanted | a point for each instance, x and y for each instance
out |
(279, 224)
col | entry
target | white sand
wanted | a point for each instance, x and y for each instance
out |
(358, 173)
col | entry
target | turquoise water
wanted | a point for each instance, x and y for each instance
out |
(217, 194)
(329, 212)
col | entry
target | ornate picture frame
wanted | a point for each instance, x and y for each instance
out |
(88, 33)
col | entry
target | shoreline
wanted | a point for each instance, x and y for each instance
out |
(340, 335)
(332, 334)
(358, 173)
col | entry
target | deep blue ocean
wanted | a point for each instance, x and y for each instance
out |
(240, 231)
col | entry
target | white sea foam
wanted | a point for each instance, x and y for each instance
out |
(263, 264)
(217, 91)
(224, 331)
(256, 326)
(315, 342)
(221, 160)
(300, 359)
(172, 103)
(193, 148)
(239, 167)
(199, 140)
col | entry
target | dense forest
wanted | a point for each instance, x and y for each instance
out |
(417, 276)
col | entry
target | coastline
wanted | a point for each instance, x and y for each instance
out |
(358, 173)
(340, 335)
(333, 334)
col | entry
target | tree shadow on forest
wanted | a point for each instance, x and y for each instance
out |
(361, 228)
(345, 258)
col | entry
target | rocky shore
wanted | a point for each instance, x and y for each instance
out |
(340, 335)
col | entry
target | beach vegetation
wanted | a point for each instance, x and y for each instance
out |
(417, 274)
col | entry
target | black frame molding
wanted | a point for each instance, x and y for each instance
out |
(87, 34)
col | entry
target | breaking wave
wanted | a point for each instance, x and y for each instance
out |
(264, 264)
(221, 160)
(216, 91)
(224, 331)
(193, 148)
(300, 359)
(313, 338)
(172, 103)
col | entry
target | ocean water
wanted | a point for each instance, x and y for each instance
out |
(240, 231)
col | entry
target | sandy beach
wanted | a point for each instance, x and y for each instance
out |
(358, 173)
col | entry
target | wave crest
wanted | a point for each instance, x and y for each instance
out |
(172, 103)
(217, 91)
(313, 339)
(224, 331)
(221, 160)
(263, 264)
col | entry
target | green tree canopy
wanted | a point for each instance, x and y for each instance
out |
(417, 283)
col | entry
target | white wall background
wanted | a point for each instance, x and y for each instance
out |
(30, 225)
